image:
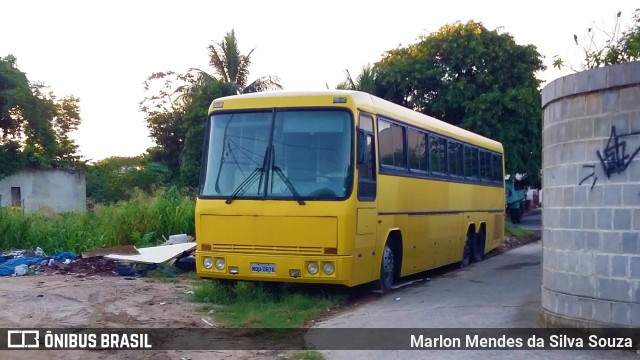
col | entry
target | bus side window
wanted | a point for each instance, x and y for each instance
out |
(366, 159)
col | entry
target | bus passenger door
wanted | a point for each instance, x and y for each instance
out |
(367, 211)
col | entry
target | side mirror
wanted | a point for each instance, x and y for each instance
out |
(361, 147)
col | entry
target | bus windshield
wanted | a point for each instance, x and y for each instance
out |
(280, 154)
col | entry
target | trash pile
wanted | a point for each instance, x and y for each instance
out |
(175, 253)
(22, 262)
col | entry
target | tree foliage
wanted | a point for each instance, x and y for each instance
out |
(475, 78)
(117, 178)
(34, 123)
(232, 67)
(366, 80)
(601, 47)
(175, 116)
(177, 107)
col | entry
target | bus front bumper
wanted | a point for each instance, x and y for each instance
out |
(331, 269)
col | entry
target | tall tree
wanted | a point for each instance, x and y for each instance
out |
(171, 119)
(117, 178)
(475, 78)
(233, 67)
(366, 80)
(164, 112)
(178, 106)
(193, 126)
(34, 125)
(64, 117)
(601, 48)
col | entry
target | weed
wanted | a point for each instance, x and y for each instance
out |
(306, 355)
(141, 221)
(516, 232)
(255, 304)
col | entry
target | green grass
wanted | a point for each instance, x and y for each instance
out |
(306, 355)
(141, 221)
(262, 305)
(516, 232)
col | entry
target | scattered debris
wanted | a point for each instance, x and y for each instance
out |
(178, 239)
(156, 254)
(10, 264)
(208, 323)
(90, 266)
(126, 260)
(39, 252)
(124, 268)
(20, 270)
(512, 242)
(116, 250)
(186, 263)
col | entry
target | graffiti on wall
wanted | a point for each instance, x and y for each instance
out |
(614, 158)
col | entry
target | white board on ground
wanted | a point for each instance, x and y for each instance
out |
(156, 254)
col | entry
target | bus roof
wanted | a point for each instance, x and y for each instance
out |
(361, 100)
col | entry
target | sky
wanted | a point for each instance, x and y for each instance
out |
(102, 51)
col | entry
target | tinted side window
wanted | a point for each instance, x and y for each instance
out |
(438, 154)
(417, 142)
(485, 165)
(455, 159)
(391, 144)
(470, 162)
(497, 168)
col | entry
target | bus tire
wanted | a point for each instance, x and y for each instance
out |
(466, 252)
(387, 269)
(478, 247)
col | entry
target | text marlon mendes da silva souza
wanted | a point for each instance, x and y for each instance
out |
(504, 341)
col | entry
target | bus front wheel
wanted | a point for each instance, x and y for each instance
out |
(387, 269)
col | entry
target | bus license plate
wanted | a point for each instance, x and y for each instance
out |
(263, 268)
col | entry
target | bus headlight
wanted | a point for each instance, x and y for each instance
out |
(328, 268)
(219, 263)
(312, 267)
(207, 263)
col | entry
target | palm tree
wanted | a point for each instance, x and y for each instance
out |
(365, 81)
(233, 67)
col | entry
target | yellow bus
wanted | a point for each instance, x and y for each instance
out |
(341, 187)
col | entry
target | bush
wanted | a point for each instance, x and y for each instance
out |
(141, 221)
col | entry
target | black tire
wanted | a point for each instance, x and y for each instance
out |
(387, 269)
(466, 252)
(478, 247)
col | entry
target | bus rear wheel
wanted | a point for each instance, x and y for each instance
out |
(387, 269)
(478, 247)
(466, 254)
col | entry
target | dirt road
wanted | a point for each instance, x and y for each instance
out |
(102, 302)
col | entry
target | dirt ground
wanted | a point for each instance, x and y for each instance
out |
(65, 300)
(57, 301)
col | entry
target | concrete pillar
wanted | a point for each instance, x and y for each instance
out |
(591, 202)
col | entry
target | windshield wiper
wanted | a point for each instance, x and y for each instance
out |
(242, 188)
(286, 181)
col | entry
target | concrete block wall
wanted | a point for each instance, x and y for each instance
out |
(56, 190)
(591, 198)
